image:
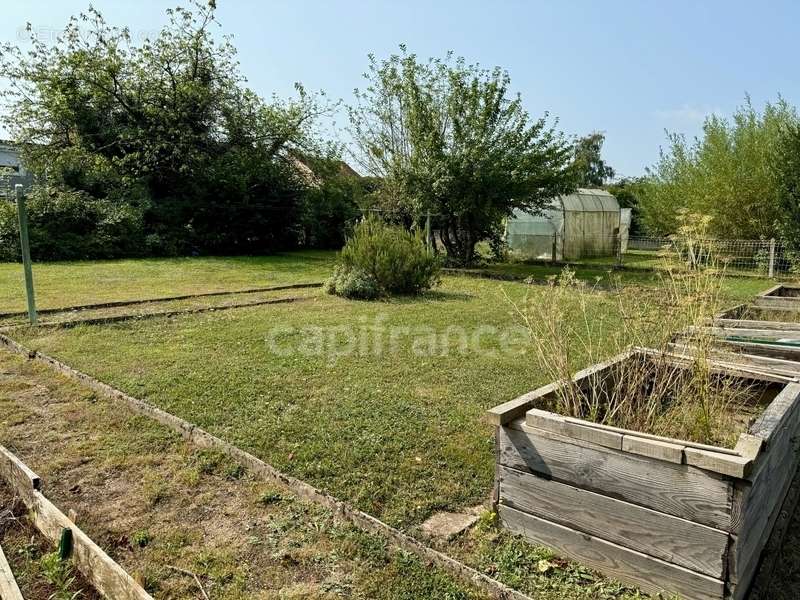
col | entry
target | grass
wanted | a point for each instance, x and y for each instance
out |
(242, 537)
(62, 284)
(210, 517)
(397, 432)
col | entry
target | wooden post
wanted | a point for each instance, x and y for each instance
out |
(24, 241)
(772, 257)
(428, 232)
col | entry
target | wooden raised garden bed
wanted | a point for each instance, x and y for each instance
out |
(663, 514)
(783, 295)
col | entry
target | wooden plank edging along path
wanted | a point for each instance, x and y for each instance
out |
(116, 303)
(9, 590)
(340, 509)
(105, 575)
(163, 313)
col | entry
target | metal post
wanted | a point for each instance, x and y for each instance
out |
(772, 257)
(24, 242)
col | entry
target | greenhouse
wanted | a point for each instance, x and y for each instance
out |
(586, 223)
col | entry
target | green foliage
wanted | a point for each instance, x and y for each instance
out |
(141, 538)
(592, 169)
(449, 138)
(628, 191)
(729, 174)
(59, 574)
(788, 175)
(381, 259)
(168, 121)
(353, 283)
(68, 224)
(331, 205)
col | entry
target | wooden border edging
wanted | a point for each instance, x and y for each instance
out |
(339, 508)
(153, 315)
(107, 577)
(9, 590)
(80, 307)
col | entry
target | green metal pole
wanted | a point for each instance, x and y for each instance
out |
(24, 242)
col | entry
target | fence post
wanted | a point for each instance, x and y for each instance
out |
(24, 242)
(772, 257)
(554, 253)
(428, 239)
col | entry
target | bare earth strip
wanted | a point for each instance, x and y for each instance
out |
(154, 502)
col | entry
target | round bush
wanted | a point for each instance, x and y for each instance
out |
(380, 259)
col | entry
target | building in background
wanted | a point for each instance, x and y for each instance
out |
(585, 224)
(12, 171)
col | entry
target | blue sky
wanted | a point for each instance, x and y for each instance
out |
(629, 69)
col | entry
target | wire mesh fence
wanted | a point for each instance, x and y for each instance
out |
(766, 258)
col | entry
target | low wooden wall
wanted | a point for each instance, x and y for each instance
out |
(662, 514)
(781, 296)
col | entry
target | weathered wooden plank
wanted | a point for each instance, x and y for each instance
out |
(779, 411)
(782, 303)
(9, 590)
(770, 291)
(678, 490)
(652, 575)
(725, 464)
(653, 448)
(516, 408)
(100, 570)
(581, 430)
(21, 479)
(103, 573)
(788, 368)
(757, 324)
(761, 499)
(761, 508)
(759, 349)
(659, 438)
(691, 545)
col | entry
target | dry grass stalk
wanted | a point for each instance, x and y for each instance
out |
(651, 392)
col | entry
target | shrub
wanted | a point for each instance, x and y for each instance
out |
(381, 259)
(352, 283)
(70, 225)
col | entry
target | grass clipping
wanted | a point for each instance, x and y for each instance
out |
(654, 392)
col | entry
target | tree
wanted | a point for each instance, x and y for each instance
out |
(592, 169)
(729, 174)
(449, 138)
(787, 168)
(627, 191)
(168, 126)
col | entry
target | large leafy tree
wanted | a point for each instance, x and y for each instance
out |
(593, 171)
(730, 173)
(168, 125)
(787, 168)
(449, 138)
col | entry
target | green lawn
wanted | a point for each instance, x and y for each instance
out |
(63, 284)
(380, 403)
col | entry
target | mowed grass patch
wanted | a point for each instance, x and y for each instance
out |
(61, 284)
(380, 403)
(398, 429)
